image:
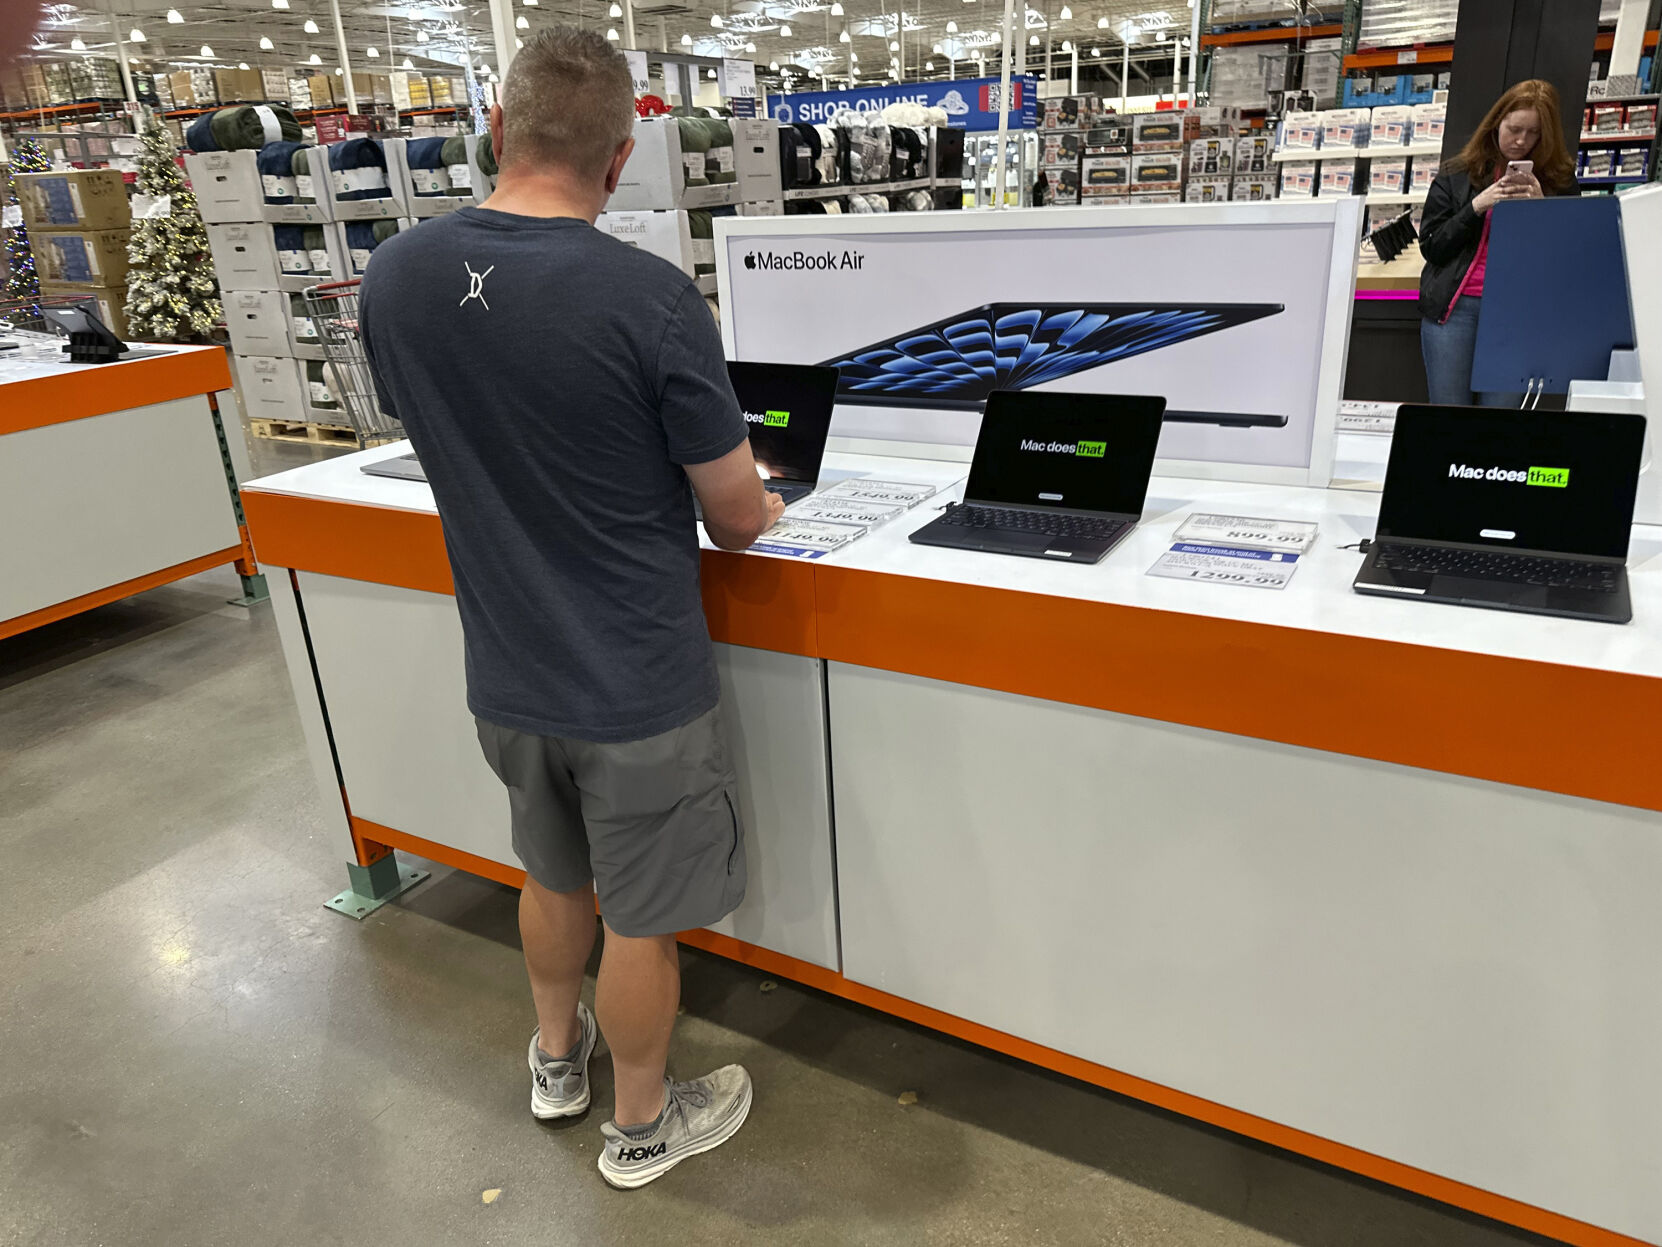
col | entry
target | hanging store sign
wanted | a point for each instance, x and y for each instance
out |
(970, 103)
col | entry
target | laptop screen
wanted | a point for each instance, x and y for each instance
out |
(1562, 482)
(1078, 452)
(787, 408)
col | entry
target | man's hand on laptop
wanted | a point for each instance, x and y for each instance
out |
(737, 509)
(776, 508)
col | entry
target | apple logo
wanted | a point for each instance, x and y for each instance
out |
(750, 260)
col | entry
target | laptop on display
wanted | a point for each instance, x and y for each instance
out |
(1059, 476)
(1513, 510)
(787, 408)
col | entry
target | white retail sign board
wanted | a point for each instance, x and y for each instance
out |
(638, 71)
(1641, 220)
(1237, 314)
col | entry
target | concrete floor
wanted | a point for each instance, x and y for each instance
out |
(196, 1052)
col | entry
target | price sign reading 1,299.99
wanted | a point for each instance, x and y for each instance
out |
(1226, 565)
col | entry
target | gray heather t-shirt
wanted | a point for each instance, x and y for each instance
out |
(553, 380)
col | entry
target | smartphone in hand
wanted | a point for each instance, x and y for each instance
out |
(1520, 168)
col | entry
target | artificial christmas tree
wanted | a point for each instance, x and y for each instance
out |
(21, 282)
(171, 292)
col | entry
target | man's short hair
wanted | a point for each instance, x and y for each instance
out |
(569, 101)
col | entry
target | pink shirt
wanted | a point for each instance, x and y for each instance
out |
(1472, 286)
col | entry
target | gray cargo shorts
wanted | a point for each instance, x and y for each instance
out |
(654, 823)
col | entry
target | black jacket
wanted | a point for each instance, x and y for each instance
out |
(1450, 230)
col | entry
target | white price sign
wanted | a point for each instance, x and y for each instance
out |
(1224, 565)
(637, 70)
(1245, 530)
(738, 80)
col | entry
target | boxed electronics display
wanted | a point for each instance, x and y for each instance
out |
(1422, 172)
(1108, 139)
(1338, 177)
(1298, 179)
(1387, 177)
(1254, 153)
(1062, 148)
(1392, 126)
(1641, 119)
(1301, 131)
(1157, 171)
(1105, 174)
(1161, 132)
(1428, 123)
(1631, 162)
(1252, 189)
(89, 258)
(1345, 127)
(1206, 190)
(1607, 118)
(1211, 157)
(79, 199)
(1069, 112)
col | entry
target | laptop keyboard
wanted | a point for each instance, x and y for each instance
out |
(1526, 569)
(1049, 524)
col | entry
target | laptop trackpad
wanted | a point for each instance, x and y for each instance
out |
(1019, 541)
(1468, 589)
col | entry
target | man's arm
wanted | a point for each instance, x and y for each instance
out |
(737, 509)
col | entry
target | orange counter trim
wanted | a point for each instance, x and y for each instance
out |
(1380, 1169)
(1441, 710)
(35, 402)
(114, 593)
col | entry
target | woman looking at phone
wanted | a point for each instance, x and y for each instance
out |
(1518, 152)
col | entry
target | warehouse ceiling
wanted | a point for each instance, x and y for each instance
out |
(801, 36)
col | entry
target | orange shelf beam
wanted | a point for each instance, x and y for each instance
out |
(1272, 34)
(1441, 53)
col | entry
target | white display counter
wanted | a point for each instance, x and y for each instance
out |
(1374, 881)
(114, 478)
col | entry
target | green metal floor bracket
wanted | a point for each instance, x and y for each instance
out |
(254, 591)
(373, 886)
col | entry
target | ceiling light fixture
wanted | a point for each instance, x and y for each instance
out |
(406, 64)
(893, 46)
(206, 51)
(1067, 46)
(774, 66)
(75, 44)
(937, 49)
(279, 4)
(709, 73)
(929, 67)
(785, 32)
(836, 8)
(1096, 51)
(1032, 41)
(715, 20)
(615, 11)
(952, 28)
(1066, 14)
(1102, 23)
(310, 27)
(372, 51)
(135, 35)
(174, 17)
(686, 41)
(265, 43)
(530, 4)
(421, 36)
(315, 59)
(520, 23)
(843, 38)
(611, 34)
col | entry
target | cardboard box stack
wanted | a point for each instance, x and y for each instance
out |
(1105, 162)
(1063, 124)
(1252, 177)
(79, 223)
(1159, 143)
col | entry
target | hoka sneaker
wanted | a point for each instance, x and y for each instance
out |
(561, 1088)
(698, 1115)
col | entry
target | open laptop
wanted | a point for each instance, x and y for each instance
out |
(1514, 510)
(1059, 476)
(956, 362)
(787, 408)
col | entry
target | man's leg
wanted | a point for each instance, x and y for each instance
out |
(636, 1000)
(557, 930)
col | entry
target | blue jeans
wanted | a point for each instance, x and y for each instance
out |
(1448, 350)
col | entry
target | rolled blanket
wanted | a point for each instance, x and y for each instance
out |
(485, 154)
(383, 229)
(695, 149)
(300, 165)
(362, 237)
(358, 168)
(830, 155)
(276, 164)
(806, 141)
(318, 393)
(719, 165)
(248, 127)
(453, 155)
(909, 149)
(317, 251)
(878, 151)
(305, 329)
(290, 241)
(701, 224)
(428, 153)
(429, 172)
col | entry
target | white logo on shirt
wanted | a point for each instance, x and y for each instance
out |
(476, 285)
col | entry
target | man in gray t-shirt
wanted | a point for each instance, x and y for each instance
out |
(567, 397)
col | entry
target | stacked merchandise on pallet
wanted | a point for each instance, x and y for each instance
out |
(1159, 145)
(1240, 77)
(282, 217)
(1105, 163)
(1063, 124)
(1401, 23)
(79, 224)
(1252, 177)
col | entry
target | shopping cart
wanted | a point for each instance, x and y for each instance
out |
(333, 308)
